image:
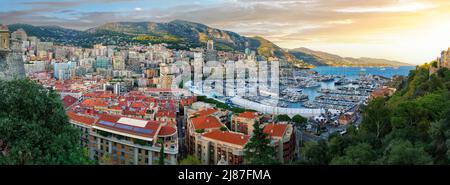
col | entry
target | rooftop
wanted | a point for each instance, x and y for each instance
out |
(69, 100)
(163, 113)
(128, 125)
(167, 131)
(275, 130)
(248, 115)
(93, 102)
(206, 122)
(80, 118)
(206, 112)
(228, 137)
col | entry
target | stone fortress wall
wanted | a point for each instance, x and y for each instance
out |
(11, 57)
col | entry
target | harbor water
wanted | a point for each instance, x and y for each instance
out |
(350, 73)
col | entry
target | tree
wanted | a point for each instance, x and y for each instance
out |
(337, 144)
(106, 159)
(258, 150)
(360, 154)
(376, 123)
(283, 117)
(440, 134)
(190, 160)
(402, 152)
(181, 85)
(316, 153)
(35, 127)
(161, 153)
(299, 120)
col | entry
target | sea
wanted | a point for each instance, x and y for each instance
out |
(350, 73)
(354, 72)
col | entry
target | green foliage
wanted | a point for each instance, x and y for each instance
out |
(283, 117)
(181, 85)
(316, 153)
(145, 39)
(162, 155)
(258, 150)
(140, 142)
(375, 124)
(223, 128)
(222, 105)
(299, 120)
(402, 152)
(190, 160)
(359, 154)
(200, 131)
(412, 127)
(34, 125)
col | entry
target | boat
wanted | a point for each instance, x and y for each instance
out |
(382, 69)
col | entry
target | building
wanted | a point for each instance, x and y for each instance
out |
(118, 63)
(283, 139)
(212, 146)
(132, 141)
(243, 122)
(165, 81)
(102, 63)
(441, 62)
(11, 60)
(346, 118)
(382, 92)
(63, 71)
(444, 60)
(84, 123)
(211, 53)
(196, 126)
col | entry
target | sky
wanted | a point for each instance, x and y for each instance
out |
(412, 31)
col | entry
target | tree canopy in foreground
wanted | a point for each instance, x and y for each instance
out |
(34, 128)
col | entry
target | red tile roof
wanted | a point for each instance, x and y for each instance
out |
(93, 102)
(69, 100)
(115, 107)
(167, 131)
(228, 137)
(206, 122)
(248, 115)
(206, 112)
(275, 130)
(137, 105)
(80, 118)
(162, 113)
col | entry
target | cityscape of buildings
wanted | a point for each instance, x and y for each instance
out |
(132, 102)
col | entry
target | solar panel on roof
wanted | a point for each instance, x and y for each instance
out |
(143, 131)
(126, 127)
(106, 123)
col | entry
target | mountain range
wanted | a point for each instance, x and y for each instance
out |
(180, 34)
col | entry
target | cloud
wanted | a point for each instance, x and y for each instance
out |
(410, 7)
(289, 23)
(346, 21)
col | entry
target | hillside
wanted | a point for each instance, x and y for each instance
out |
(320, 58)
(410, 128)
(179, 34)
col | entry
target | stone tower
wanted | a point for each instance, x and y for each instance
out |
(4, 38)
(11, 60)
